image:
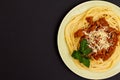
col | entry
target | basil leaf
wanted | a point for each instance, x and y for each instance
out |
(86, 61)
(87, 51)
(80, 58)
(76, 54)
(83, 45)
(82, 52)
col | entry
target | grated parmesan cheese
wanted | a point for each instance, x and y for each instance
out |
(98, 40)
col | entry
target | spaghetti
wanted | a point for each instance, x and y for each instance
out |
(86, 25)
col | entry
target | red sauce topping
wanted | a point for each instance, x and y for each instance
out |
(112, 38)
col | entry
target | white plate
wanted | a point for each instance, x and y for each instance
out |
(63, 50)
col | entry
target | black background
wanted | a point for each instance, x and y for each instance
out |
(28, 39)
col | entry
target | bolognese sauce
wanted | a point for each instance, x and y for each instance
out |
(101, 37)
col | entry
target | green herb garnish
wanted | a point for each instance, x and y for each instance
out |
(76, 54)
(86, 61)
(82, 53)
